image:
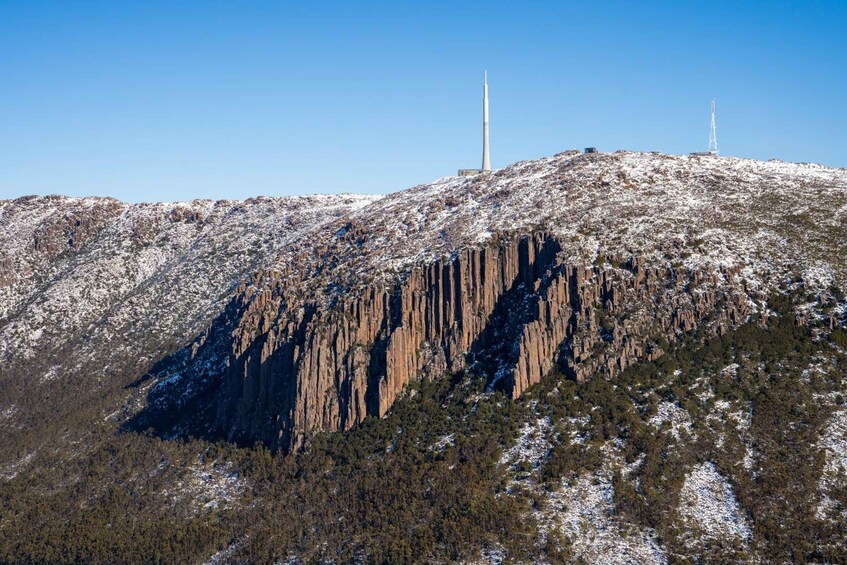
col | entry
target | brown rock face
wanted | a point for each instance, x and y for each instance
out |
(8, 276)
(70, 231)
(513, 310)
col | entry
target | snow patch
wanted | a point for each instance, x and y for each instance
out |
(708, 503)
(532, 444)
(834, 442)
(11, 470)
(443, 443)
(673, 414)
(212, 486)
(583, 512)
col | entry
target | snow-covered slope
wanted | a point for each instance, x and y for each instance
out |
(770, 217)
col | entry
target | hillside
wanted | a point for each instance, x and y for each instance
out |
(629, 357)
(585, 262)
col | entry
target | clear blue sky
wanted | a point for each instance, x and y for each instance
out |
(179, 100)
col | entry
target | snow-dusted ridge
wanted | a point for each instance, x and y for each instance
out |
(778, 221)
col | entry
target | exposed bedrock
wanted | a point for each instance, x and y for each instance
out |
(278, 366)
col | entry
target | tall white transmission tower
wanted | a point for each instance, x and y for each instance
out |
(713, 133)
(486, 160)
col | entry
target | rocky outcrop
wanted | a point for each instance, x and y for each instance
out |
(70, 230)
(513, 310)
(8, 276)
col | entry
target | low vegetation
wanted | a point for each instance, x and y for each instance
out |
(429, 482)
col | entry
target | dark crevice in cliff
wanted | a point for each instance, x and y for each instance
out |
(376, 364)
(495, 351)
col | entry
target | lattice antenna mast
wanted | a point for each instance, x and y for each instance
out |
(713, 133)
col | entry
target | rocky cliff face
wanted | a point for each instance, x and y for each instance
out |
(514, 309)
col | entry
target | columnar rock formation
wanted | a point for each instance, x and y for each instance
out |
(513, 310)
